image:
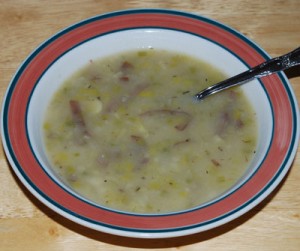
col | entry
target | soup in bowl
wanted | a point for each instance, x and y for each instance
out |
(101, 125)
(126, 132)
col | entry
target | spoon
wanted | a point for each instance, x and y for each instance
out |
(266, 68)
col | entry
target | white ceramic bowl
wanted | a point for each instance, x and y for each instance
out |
(56, 59)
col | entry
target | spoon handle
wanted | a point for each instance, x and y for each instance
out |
(266, 68)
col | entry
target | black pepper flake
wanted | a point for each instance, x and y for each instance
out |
(215, 162)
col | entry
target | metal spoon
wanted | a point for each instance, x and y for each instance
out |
(268, 67)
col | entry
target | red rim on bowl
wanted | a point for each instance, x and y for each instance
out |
(271, 171)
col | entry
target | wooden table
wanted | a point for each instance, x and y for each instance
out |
(26, 224)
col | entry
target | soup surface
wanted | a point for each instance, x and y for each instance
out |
(125, 132)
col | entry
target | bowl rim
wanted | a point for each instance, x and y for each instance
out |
(171, 19)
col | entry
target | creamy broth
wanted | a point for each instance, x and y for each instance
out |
(125, 132)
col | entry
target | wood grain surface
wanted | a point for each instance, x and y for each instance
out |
(26, 224)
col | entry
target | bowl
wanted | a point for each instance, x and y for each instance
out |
(46, 68)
